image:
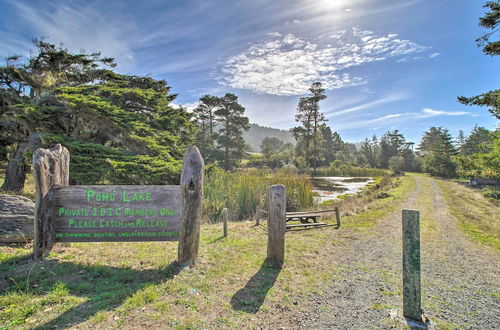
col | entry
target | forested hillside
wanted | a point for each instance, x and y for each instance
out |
(254, 136)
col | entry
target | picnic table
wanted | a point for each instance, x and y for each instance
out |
(307, 219)
(303, 217)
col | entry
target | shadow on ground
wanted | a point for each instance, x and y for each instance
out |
(104, 287)
(250, 298)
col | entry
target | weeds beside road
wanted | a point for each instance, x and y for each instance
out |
(331, 278)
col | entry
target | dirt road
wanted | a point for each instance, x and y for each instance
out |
(460, 278)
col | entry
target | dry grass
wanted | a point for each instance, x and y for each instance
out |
(478, 216)
(136, 284)
(29, 186)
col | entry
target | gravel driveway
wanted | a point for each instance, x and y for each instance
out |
(460, 279)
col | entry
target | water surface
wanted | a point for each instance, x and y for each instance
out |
(329, 187)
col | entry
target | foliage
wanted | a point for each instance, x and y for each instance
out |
(481, 165)
(437, 148)
(491, 192)
(93, 163)
(370, 151)
(394, 144)
(243, 191)
(491, 21)
(396, 164)
(271, 145)
(229, 138)
(308, 135)
(489, 99)
(205, 115)
(478, 141)
(439, 165)
(331, 145)
(337, 168)
(123, 124)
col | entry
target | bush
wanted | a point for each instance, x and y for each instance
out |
(439, 165)
(491, 193)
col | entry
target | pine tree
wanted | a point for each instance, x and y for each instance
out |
(118, 128)
(230, 136)
(308, 114)
(437, 149)
(205, 114)
(491, 21)
(478, 141)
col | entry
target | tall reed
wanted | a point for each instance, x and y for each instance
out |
(243, 191)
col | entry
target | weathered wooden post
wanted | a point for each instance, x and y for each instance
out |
(191, 206)
(337, 216)
(257, 216)
(411, 265)
(276, 225)
(224, 219)
(51, 168)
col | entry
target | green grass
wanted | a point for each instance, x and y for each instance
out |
(378, 306)
(102, 285)
(478, 216)
(381, 207)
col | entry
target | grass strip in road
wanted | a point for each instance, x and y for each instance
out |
(477, 216)
(381, 207)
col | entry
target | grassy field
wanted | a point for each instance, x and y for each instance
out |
(478, 216)
(138, 285)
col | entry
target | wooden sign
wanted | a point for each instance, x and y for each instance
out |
(115, 213)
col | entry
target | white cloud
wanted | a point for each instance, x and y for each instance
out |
(434, 55)
(288, 65)
(408, 59)
(188, 106)
(427, 112)
(368, 123)
(274, 34)
(296, 21)
(396, 117)
(384, 100)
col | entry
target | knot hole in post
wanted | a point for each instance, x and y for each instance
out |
(191, 185)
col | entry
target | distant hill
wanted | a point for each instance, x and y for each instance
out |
(257, 133)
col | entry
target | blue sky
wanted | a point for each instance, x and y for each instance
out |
(387, 64)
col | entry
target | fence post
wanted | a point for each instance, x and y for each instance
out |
(337, 216)
(257, 216)
(50, 168)
(276, 225)
(191, 186)
(411, 265)
(224, 219)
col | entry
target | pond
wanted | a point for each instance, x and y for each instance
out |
(328, 188)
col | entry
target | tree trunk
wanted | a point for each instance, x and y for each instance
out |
(15, 174)
(16, 219)
(226, 152)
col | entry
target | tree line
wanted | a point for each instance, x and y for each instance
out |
(123, 128)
